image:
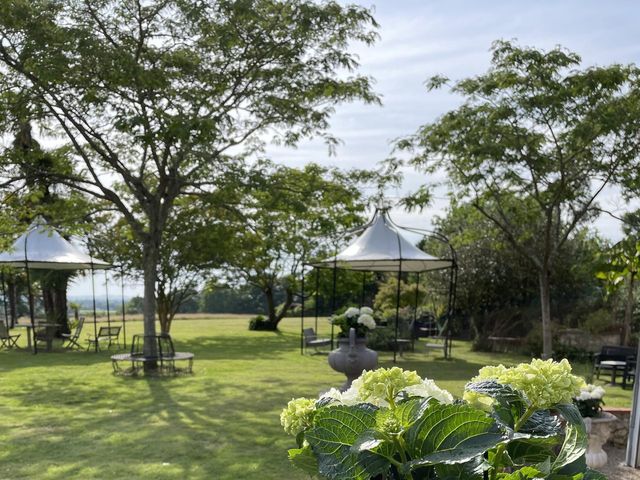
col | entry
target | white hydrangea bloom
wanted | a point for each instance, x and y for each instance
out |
(352, 312)
(429, 389)
(591, 392)
(333, 394)
(366, 310)
(367, 321)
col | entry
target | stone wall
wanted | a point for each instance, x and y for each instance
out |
(620, 428)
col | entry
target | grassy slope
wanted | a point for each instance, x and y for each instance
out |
(65, 416)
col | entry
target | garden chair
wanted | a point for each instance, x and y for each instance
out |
(105, 334)
(6, 339)
(72, 338)
(312, 340)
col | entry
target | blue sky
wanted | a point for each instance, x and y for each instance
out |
(419, 39)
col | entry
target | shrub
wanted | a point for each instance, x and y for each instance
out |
(259, 322)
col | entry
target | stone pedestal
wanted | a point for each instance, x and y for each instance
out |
(352, 357)
(599, 429)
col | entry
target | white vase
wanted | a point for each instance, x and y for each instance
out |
(599, 429)
(352, 357)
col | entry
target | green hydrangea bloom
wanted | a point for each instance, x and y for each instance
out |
(297, 416)
(544, 382)
(384, 384)
(478, 400)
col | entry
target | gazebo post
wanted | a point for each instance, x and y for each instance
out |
(364, 280)
(333, 296)
(32, 315)
(395, 349)
(106, 290)
(95, 315)
(4, 302)
(302, 312)
(124, 326)
(415, 301)
(317, 297)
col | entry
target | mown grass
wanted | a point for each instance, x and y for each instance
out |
(63, 415)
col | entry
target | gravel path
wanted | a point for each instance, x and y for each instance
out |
(615, 469)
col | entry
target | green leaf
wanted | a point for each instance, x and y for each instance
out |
(407, 413)
(335, 430)
(531, 450)
(542, 424)
(525, 473)
(575, 440)
(451, 434)
(304, 459)
(510, 404)
(472, 470)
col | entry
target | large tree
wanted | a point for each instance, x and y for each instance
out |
(161, 97)
(531, 147)
(287, 218)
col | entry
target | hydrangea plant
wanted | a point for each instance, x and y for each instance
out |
(511, 424)
(361, 319)
(590, 400)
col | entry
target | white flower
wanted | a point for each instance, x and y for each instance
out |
(367, 310)
(367, 321)
(429, 389)
(352, 312)
(591, 392)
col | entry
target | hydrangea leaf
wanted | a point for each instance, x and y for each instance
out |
(575, 439)
(472, 470)
(510, 403)
(335, 430)
(303, 459)
(451, 434)
(407, 413)
(531, 450)
(542, 424)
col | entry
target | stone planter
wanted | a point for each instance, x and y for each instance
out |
(599, 429)
(352, 357)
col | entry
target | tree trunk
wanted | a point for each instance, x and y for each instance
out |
(150, 257)
(164, 312)
(625, 332)
(271, 307)
(274, 316)
(545, 304)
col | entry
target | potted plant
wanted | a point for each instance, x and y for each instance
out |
(597, 422)
(512, 423)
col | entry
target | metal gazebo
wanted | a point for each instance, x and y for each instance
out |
(380, 247)
(43, 248)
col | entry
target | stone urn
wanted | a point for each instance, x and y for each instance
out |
(599, 429)
(352, 357)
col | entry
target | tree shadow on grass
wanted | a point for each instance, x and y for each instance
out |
(153, 428)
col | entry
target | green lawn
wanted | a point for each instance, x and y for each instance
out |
(63, 415)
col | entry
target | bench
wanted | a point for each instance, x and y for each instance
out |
(610, 355)
(312, 340)
(431, 329)
(166, 357)
(105, 334)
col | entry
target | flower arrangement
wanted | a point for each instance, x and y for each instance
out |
(359, 318)
(512, 423)
(590, 400)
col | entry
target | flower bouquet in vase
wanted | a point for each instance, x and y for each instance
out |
(597, 422)
(352, 356)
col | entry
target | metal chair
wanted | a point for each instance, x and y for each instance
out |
(71, 339)
(6, 339)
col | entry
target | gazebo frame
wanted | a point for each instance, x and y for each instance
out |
(77, 261)
(399, 263)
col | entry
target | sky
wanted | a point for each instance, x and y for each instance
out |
(419, 39)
